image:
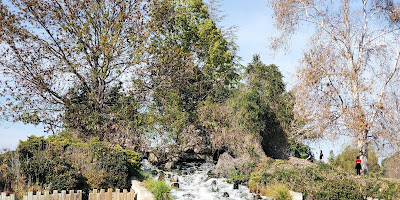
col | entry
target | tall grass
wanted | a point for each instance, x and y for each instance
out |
(159, 189)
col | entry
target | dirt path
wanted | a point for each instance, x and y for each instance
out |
(141, 192)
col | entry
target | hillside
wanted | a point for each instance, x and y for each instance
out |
(319, 180)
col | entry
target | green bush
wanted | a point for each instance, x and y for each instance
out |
(320, 181)
(159, 189)
(65, 163)
(241, 173)
(299, 150)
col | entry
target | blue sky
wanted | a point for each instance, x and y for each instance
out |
(255, 27)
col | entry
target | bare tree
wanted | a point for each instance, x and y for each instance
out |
(348, 76)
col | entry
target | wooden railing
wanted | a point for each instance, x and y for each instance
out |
(110, 195)
(55, 195)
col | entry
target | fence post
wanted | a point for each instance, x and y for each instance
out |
(71, 195)
(79, 195)
(91, 196)
(109, 194)
(95, 195)
(116, 194)
(37, 196)
(3, 196)
(30, 195)
(55, 195)
(102, 194)
(125, 194)
(63, 195)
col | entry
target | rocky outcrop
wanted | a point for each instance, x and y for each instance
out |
(169, 165)
(153, 157)
(196, 148)
(226, 162)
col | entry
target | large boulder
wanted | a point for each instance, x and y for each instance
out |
(226, 162)
(169, 165)
(153, 158)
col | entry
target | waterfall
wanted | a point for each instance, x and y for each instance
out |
(195, 184)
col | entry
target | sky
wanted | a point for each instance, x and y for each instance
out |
(255, 27)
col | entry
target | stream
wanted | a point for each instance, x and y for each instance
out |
(195, 184)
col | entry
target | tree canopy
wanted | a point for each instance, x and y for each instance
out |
(348, 76)
(53, 51)
(257, 115)
(106, 67)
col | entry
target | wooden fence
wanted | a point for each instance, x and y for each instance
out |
(55, 196)
(95, 195)
(110, 195)
(5, 197)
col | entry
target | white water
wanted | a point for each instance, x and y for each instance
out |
(196, 184)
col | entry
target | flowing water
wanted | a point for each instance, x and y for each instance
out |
(195, 184)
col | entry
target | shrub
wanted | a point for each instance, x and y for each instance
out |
(299, 150)
(279, 192)
(241, 173)
(159, 189)
(322, 181)
(65, 163)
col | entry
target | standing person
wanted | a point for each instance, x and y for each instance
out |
(321, 156)
(309, 155)
(358, 165)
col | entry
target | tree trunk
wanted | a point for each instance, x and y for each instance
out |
(363, 152)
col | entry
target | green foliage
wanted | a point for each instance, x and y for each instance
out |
(322, 181)
(300, 150)
(105, 45)
(346, 160)
(159, 189)
(119, 164)
(241, 173)
(191, 61)
(279, 192)
(65, 163)
(257, 110)
(120, 113)
(263, 107)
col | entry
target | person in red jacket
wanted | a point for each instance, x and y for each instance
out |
(358, 165)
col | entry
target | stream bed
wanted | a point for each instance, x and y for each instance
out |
(194, 183)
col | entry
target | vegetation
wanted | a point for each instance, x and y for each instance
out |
(190, 61)
(119, 75)
(66, 163)
(299, 150)
(346, 160)
(343, 87)
(320, 181)
(159, 189)
(391, 167)
(241, 174)
(257, 115)
(121, 71)
(279, 192)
